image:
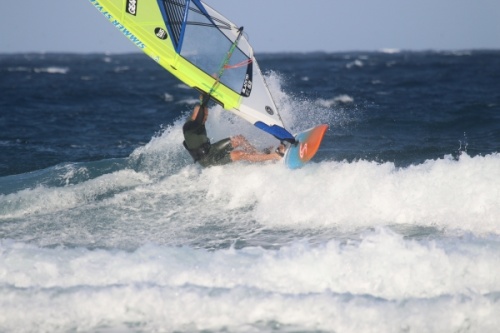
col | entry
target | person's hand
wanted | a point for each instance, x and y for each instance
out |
(204, 99)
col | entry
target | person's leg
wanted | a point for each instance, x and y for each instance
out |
(218, 153)
(239, 155)
(239, 141)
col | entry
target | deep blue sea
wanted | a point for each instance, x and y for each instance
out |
(106, 225)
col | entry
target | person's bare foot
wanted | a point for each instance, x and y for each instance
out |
(281, 150)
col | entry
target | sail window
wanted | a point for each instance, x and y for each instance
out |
(199, 39)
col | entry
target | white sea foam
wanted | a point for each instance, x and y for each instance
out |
(52, 70)
(445, 193)
(146, 248)
(356, 63)
(120, 69)
(49, 70)
(390, 51)
(402, 283)
(43, 200)
(340, 99)
(381, 264)
(168, 97)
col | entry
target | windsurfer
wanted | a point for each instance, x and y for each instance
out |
(236, 148)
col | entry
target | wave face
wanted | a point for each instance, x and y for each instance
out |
(106, 224)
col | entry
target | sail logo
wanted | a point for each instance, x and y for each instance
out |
(161, 33)
(302, 150)
(247, 86)
(129, 34)
(269, 110)
(131, 7)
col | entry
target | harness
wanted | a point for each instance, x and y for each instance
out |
(198, 153)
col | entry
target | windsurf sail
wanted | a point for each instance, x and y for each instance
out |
(204, 50)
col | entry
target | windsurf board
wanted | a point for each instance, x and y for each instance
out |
(305, 147)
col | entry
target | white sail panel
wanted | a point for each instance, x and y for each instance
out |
(257, 105)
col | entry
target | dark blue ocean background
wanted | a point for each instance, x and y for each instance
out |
(404, 107)
(107, 225)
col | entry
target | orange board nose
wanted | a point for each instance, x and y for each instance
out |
(308, 144)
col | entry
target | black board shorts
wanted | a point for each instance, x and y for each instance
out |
(219, 154)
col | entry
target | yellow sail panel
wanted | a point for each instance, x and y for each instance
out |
(143, 23)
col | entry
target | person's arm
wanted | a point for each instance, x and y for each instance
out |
(200, 114)
(196, 112)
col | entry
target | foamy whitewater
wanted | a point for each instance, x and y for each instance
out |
(393, 227)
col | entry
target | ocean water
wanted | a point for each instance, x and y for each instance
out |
(106, 225)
